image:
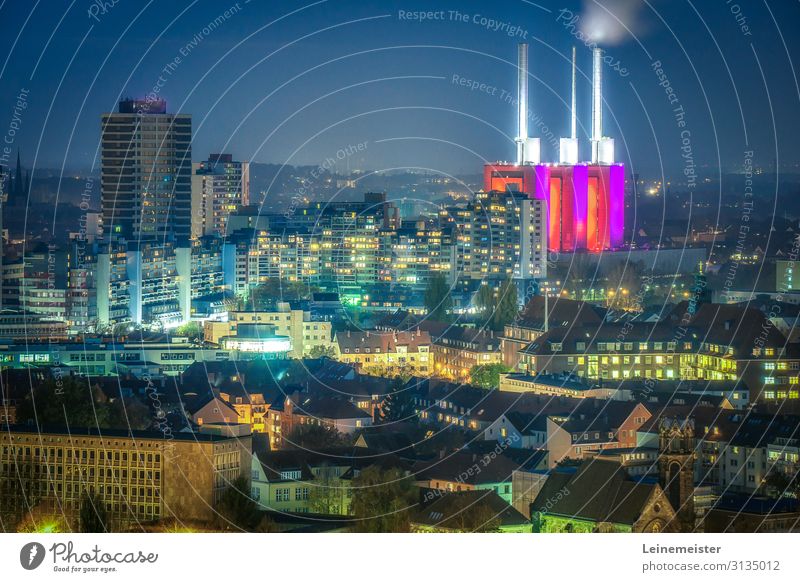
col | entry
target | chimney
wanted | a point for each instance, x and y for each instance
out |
(568, 146)
(573, 118)
(522, 101)
(602, 147)
(597, 103)
(528, 149)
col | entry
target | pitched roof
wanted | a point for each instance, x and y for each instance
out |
(449, 510)
(329, 408)
(468, 468)
(732, 325)
(563, 313)
(385, 341)
(460, 336)
(599, 490)
(195, 405)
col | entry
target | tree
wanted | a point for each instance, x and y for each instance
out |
(266, 525)
(320, 351)
(468, 515)
(68, 401)
(485, 300)
(438, 301)
(326, 493)
(92, 517)
(398, 405)
(580, 276)
(315, 437)
(497, 307)
(130, 413)
(624, 283)
(487, 375)
(43, 518)
(264, 296)
(382, 500)
(506, 308)
(236, 510)
(191, 329)
(780, 484)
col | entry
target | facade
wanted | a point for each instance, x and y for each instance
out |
(458, 349)
(146, 199)
(500, 235)
(538, 315)
(300, 482)
(676, 468)
(584, 203)
(257, 340)
(421, 252)
(595, 427)
(22, 326)
(386, 352)
(554, 385)
(305, 334)
(140, 476)
(220, 186)
(716, 342)
(104, 357)
(146, 163)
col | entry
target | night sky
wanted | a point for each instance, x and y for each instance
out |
(298, 82)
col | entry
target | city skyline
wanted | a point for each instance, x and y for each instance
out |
(468, 88)
(474, 267)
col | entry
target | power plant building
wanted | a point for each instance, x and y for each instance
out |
(584, 200)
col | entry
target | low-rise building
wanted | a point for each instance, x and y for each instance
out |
(387, 353)
(104, 356)
(467, 512)
(599, 496)
(140, 476)
(307, 335)
(298, 481)
(743, 513)
(594, 426)
(714, 342)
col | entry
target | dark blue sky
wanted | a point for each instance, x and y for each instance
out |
(338, 73)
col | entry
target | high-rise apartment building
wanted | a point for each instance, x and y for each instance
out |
(499, 235)
(146, 172)
(146, 198)
(220, 186)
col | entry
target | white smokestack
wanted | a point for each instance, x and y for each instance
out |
(528, 148)
(568, 146)
(522, 101)
(602, 147)
(573, 114)
(597, 103)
